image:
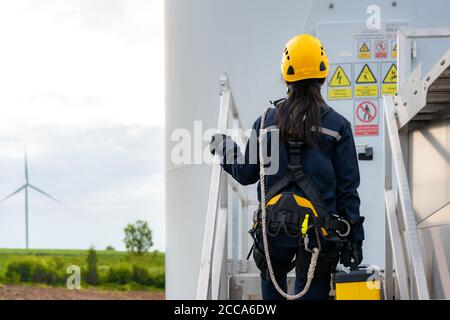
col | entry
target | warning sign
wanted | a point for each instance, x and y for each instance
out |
(364, 49)
(366, 84)
(340, 86)
(366, 118)
(339, 78)
(366, 75)
(381, 49)
(394, 49)
(389, 85)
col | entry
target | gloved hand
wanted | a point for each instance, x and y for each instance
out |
(217, 141)
(351, 255)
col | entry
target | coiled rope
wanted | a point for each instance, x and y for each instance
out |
(315, 251)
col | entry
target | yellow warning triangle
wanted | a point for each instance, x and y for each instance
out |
(391, 76)
(339, 78)
(366, 75)
(364, 48)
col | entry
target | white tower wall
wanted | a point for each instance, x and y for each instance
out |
(205, 38)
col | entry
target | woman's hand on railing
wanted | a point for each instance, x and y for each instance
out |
(216, 144)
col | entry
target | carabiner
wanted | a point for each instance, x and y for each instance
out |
(343, 235)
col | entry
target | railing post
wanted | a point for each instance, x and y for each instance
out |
(220, 240)
(203, 288)
(235, 201)
(388, 268)
(403, 57)
(396, 247)
(213, 277)
(244, 235)
(219, 254)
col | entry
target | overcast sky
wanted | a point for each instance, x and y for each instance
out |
(82, 86)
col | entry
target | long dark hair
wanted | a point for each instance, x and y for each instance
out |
(300, 113)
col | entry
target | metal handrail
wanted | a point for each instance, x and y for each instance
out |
(405, 47)
(403, 254)
(412, 87)
(410, 275)
(212, 278)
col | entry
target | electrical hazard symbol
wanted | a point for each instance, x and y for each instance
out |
(366, 118)
(339, 86)
(389, 85)
(364, 49)
(381, 49)
(339, 78)
(366, 81)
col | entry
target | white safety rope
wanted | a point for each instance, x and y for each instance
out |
(315, 251)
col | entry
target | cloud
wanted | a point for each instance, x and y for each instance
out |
(105, 177)
(110, 52)
(83, 87)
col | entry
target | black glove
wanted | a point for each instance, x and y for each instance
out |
(216, 141)
(351, 254)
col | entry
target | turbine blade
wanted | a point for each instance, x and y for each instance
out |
(26, 164)
(44, 193)
(12, 194)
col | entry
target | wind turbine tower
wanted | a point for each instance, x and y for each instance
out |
(25, 188)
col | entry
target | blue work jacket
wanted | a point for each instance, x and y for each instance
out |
(331, 164)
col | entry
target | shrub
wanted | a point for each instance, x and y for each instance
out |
(157, 279)
(34, 269)
(52, 271)
(124, 274)
(92, 270)
(120, 274)
(141, 275)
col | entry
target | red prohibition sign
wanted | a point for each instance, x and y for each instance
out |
(381, 46)
(366, 111)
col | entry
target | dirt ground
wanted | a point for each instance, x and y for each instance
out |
(9, 292)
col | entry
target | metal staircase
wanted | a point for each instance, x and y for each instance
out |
(226, 198)
(419, 102)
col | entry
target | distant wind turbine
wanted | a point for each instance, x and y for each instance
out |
(25, 188)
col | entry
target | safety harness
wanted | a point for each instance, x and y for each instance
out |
(296, 215)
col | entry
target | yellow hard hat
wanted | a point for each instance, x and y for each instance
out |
(304, 58)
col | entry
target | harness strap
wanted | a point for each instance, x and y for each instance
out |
(296, 175)
(268, 262)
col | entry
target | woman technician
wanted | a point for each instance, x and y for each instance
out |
(327, 158)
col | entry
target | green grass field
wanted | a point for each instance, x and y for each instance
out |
(153, 262)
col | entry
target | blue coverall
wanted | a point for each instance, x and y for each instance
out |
(333, 167)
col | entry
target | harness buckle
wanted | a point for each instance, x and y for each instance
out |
(295, 155)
